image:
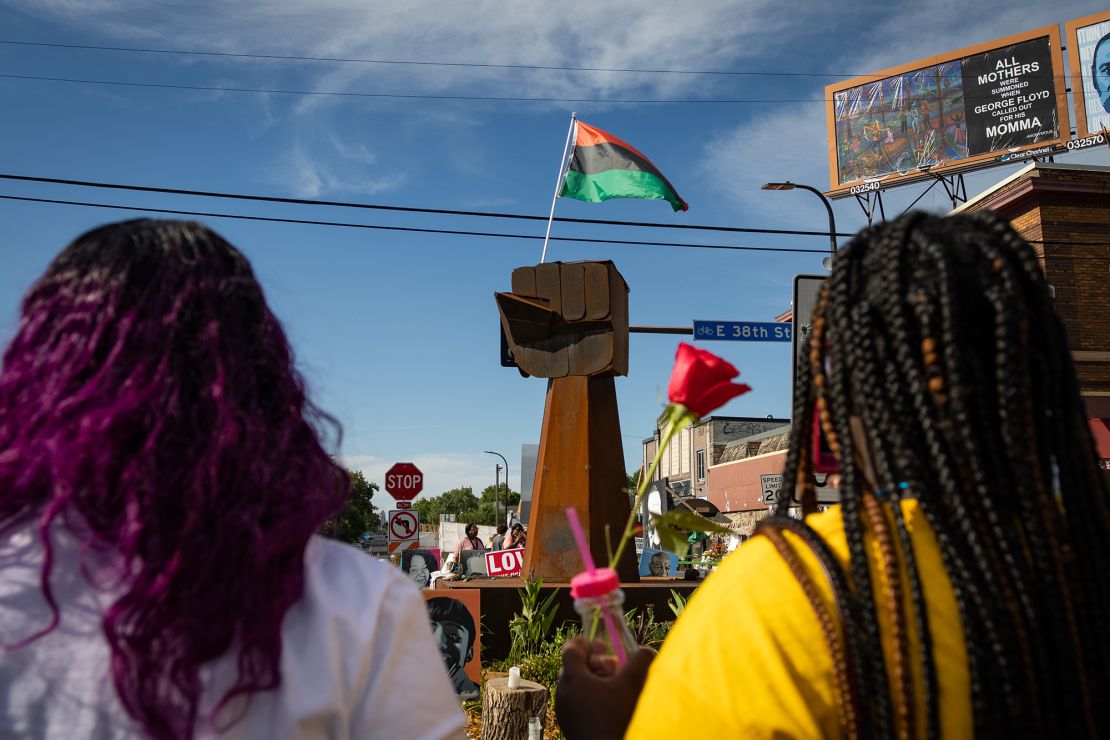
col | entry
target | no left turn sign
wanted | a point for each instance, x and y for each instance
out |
(404, 525)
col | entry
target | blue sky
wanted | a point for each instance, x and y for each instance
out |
(397, 333)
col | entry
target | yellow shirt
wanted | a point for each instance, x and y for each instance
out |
(748, 660)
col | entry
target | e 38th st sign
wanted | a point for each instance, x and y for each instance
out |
(742, 331)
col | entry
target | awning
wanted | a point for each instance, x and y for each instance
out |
(704, 507)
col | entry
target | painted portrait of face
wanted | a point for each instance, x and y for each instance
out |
(419, 571)
(1100, 71)
(418, 566)
(660, 564)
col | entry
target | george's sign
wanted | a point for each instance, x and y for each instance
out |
(504, 563)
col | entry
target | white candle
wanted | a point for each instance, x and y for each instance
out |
(514, 677)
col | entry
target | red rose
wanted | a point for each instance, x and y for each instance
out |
(701, 381)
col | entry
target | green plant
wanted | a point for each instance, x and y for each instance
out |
(543, 664)
(677, 603)
(646, 630)
(531, 625)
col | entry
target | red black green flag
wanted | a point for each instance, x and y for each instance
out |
(603, 167)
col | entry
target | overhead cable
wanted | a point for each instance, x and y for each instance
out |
(402, 209)
(410, 229)
(422, 96)
(422, 63)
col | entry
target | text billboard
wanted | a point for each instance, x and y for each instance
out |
(949, 112)
(1089, 56)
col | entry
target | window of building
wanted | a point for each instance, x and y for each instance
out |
(701, 464)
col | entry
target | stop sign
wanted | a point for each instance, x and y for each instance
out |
(403, 481)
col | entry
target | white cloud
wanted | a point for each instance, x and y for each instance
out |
(787, 144)
(619, 33)
(310, 172)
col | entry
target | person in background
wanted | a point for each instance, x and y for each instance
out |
(497, 542)
(469, 541)
(161, 479)
(517, 537)
(960, 588)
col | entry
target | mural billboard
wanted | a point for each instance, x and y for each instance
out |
(955, 111)
(1089, 57)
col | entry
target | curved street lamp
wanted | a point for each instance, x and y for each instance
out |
(828, 206)
(497, 491)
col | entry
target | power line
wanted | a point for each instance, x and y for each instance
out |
(421, 96)
(409, 96)
(407, 229)
(476, 65)
(451, 232)
(412, 62)
(456, 232)
(402, 209)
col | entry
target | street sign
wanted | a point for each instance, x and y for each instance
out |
(771, 485)
(403, 481)
(806, 290)
(503, 563)
(742, 331)
(404, 504)
(404, 525)
(393, 547)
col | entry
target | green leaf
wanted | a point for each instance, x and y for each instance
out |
(677, 603)
(670, 539)
(688, 520)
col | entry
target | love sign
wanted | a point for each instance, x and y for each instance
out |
(504, 563)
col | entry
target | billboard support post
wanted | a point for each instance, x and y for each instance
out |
(870, 201)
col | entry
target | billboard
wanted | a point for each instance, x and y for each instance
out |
(1089, 57)
(947, 113)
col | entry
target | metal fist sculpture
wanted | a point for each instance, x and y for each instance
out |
(567, 318)
(568, 321)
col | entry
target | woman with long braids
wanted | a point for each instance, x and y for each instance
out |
(161, 478)
(960, 588)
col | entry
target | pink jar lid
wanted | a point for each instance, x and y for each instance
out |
(587, 585)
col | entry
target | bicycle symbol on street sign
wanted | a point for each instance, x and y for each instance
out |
(743, 331)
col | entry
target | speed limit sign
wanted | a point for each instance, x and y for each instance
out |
(771, 485)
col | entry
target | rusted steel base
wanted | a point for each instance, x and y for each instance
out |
(580, 464)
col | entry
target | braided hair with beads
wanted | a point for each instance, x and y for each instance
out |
(937, 341)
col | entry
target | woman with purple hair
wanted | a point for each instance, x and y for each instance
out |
(161, 478)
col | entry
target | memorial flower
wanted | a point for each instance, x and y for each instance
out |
(700, 383)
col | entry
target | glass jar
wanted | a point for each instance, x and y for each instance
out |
(599, 601)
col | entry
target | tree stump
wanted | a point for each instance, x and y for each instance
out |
(505, 711)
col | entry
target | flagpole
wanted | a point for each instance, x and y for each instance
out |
(558, 185)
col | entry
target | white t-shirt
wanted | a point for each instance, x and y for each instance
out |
(358, 658)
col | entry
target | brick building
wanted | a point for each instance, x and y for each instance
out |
(1064, 212)
(698, 447)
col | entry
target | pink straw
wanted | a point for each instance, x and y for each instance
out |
(580, 538)
(588, 561)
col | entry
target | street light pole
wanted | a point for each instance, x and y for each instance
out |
(828, 207)
(497, 489)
